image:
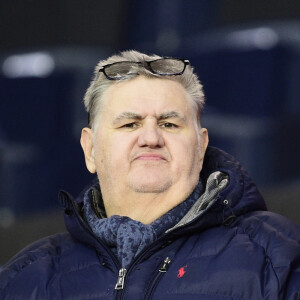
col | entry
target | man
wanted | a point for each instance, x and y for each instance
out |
(167, 218)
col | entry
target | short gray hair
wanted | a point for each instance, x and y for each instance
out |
(189, 80)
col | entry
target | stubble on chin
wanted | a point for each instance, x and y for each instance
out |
(145, 189)
(150, 185)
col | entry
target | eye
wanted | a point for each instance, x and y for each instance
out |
(130, 125)
(168, 125)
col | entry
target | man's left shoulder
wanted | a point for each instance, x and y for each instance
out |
(279, 236)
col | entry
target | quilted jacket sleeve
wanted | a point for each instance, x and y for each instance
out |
(27, 274)
(280, 239)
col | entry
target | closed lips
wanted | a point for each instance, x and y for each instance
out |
(150, 156)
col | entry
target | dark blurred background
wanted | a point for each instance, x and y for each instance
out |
(246, 53)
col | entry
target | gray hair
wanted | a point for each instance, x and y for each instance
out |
(189, 80)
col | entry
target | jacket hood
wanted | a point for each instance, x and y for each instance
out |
(241, 192)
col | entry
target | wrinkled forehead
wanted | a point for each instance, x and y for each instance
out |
(146, 92)
(144, 96)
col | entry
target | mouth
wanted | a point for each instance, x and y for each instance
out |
(150, 156)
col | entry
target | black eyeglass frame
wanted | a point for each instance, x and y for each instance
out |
(186, 62)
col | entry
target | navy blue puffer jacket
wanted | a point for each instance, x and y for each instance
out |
(228, 247)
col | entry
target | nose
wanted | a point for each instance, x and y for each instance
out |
(150, 136)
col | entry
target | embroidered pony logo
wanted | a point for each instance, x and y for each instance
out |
(181, 271)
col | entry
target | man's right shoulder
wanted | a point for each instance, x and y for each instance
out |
(38, 258)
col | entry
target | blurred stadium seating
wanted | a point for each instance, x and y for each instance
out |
(42, 113)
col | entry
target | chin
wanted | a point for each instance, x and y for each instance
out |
(150, 185)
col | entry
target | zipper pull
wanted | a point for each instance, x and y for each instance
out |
(121, 278)
(165, 265)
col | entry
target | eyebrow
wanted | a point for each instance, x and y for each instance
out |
(127, 115)
(134, 116)
(170, 115)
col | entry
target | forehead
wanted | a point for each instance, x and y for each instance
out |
(146, 95)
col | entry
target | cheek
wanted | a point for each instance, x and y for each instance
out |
(113, 150)
(186, 152)
(102, 147)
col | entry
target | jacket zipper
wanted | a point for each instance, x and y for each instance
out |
(121, 279)
(122, 271)
(162, 270)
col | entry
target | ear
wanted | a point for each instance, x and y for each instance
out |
(203, 142)
(86, 142)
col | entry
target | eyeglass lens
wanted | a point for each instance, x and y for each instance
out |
(120, 69)
(167, 66)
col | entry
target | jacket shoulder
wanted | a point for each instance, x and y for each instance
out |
(35, 262)
(272, 231)
(280, 239)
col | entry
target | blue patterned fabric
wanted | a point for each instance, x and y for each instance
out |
(127, 237)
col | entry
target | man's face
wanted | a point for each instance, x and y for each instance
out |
(147, 139)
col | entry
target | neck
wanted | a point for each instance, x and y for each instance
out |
(144, 207)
